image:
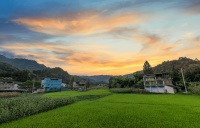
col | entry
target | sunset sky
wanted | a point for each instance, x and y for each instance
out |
(94, 37)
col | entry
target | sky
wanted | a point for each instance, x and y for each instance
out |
(99, 37)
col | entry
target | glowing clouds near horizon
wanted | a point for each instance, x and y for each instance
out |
(100, 37)
(88, 23)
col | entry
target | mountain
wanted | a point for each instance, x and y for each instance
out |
(22, 64)
(97, 78)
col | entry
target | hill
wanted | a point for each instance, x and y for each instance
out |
(182, 62)
(7, 68)
(22, 64)
(97, 78)
(191, 69)
(53, 73)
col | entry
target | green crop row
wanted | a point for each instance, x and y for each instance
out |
(14, 108)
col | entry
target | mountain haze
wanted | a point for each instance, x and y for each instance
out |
(22, 64)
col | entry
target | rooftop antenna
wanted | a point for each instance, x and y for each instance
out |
(183, 80)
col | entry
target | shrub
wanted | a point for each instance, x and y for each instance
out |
(121, 90)
(128, 90)
(14, 108)
(195, 90)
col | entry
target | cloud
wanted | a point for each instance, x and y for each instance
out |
(192, 7)
(148, 40)
(6, 53)
(78, 23)
(152, 41)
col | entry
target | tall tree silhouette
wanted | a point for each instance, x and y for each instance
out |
(147, 68)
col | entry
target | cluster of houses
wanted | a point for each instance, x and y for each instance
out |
(47, 85)
(154, 83)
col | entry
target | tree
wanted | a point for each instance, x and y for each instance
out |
(147, 68)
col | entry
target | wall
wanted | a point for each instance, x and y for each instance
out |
(170, 89)
(155, 89)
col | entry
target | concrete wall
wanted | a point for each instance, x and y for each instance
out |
(155, 89)
(170, 89)
(159, 89)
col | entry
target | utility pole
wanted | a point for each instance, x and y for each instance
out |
(33, 85)
(183, 80)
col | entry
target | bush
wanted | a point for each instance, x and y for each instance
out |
(14, 108)
(195, 90)
(128, 90)
(121, 90)
(140, 91)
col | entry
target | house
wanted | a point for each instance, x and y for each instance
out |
(79, 86)
(51, 84)
(10, 87)
(159, 83)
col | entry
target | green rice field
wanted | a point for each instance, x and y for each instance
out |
(118, 111)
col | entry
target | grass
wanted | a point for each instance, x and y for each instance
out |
(77, 93)
(120, 111)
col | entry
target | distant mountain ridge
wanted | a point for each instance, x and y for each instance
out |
(173, 66)
(98, 78)
(22, 64)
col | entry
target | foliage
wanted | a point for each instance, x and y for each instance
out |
(195, 89)
(121, 90)
(23, 75)
(6, 70)
(117, 111)
(147, 69)
(9, 94)
(29, 84)
(128, 90)
(125, 82)
(191, 69)
(14, 108)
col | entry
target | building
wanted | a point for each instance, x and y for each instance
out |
(79, 86)
(159, 83)
(51, 85)
(10, 87)
(5, 85)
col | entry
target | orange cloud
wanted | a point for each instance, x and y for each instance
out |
(79, 24)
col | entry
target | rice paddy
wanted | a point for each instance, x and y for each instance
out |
(119, 111)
